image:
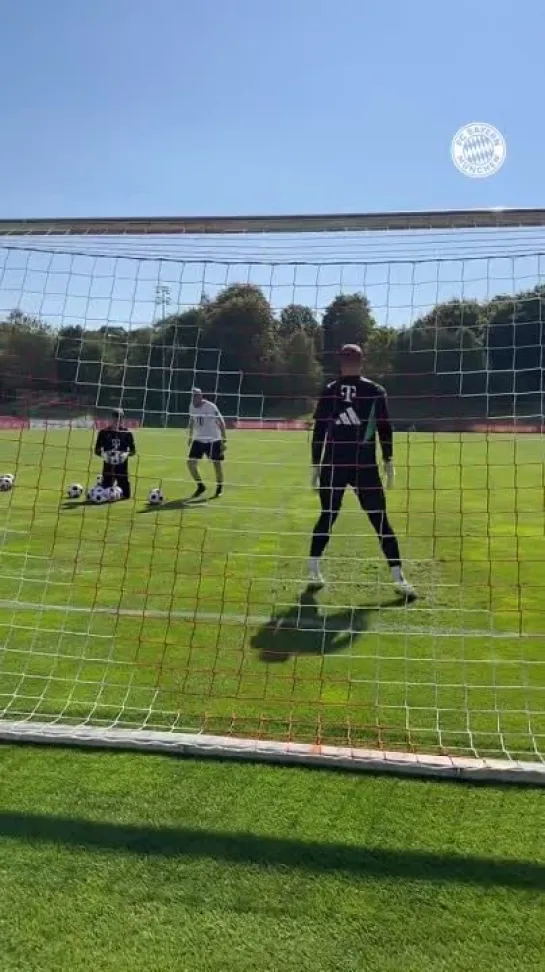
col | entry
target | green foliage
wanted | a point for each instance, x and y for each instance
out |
(347, 320)
(459, 351)
(515, 336)
(297, 317)
(302, 373)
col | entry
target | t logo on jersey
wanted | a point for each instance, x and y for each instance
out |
(348, 393)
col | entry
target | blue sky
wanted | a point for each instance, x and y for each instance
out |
(120, 107)
(224, 107)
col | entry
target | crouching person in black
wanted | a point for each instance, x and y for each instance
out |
(115, 445)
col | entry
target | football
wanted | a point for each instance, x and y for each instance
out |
(6, 482)
(98, 495)
(113, 493)
(75, 491)
(99, 479)
(156, 497)
(115, 458)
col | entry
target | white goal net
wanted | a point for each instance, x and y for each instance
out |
(190, 624)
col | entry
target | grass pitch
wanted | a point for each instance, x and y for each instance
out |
(121, 863)
(195, 617)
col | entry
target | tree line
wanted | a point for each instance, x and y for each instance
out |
(461, 358)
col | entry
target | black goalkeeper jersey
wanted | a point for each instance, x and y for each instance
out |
(349, 415)
(115, 440)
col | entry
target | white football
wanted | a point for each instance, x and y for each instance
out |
(116, 458)
(155, 497)
(6, 483)
(113, 493)
(75, 491)
(98, 495)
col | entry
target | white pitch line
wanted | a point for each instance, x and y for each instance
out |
(216, 617)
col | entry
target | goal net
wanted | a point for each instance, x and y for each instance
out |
(190, 625)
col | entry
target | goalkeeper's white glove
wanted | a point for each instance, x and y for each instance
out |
(389, 473)
(315, 477)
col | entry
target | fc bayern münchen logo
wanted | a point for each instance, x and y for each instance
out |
(478, 150)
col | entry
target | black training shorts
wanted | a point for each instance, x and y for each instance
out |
(212, 450)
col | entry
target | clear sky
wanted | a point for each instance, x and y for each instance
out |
(226, 107)
(197, 107)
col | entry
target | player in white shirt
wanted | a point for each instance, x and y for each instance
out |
(207, 437)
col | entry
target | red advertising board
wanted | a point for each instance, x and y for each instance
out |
(128, 423)
(8, 422)
(279, 425)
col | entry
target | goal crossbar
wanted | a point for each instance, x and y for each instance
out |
(304, 223)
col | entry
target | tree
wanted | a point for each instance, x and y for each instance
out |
(379, 352)
(26, 355)
(240, 323)
(298, 317)
(67, 354)
(453, 315)
(436, 367)
(18, 318)
(347, 320)
(178, 351)
(302, 371)
(514, 340)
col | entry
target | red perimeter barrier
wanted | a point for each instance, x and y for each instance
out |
(508, 427)
(454, 425)
(282, 425)
(128, 423)
(12, 422)
(6, 422)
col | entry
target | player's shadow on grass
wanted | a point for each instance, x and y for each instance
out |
(304, 630)
(178, 504)
(77, 504)
(367, 863)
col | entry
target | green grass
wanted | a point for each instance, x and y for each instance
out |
(121, 615)
(120, 863)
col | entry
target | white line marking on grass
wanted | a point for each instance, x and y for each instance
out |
(216, 617)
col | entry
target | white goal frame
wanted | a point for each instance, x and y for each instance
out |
(204, 745)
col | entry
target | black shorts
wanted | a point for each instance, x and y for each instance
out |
(212, 450)
(364, 480)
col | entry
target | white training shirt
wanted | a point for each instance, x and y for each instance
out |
(205, 421)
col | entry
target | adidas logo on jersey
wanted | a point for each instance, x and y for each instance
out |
(348, 417)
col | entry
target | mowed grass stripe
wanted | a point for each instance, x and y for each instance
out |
(299, 623)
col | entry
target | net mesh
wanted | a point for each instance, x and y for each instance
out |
(196, 616)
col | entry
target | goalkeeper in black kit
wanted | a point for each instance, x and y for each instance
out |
(350, 413)
(115, 445)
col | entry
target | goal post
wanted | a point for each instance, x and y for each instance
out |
(189, 627)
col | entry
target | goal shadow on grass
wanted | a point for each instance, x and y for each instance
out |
(246, 848)
(304, 629)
